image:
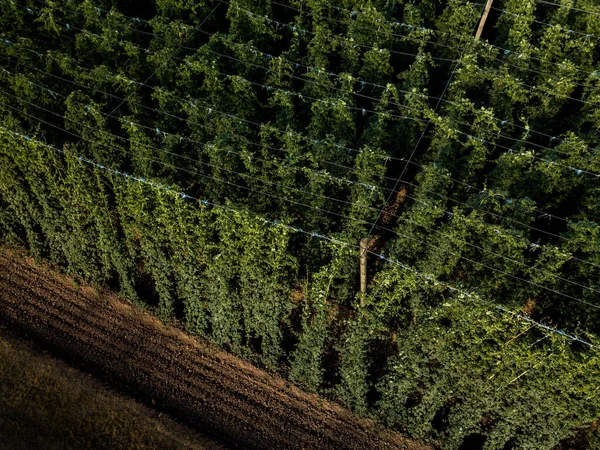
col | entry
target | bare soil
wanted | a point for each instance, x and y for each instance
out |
(206, 388)
(47, 404)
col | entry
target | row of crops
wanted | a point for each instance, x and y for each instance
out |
(219, 162)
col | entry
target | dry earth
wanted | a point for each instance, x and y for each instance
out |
(208, 389)
(47, 404)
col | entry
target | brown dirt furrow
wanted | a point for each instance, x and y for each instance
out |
(205, 387)
(88, 347)
(63, 296)
(46, 404)
(177, 370)
(288, 404)
(59, 296)
(226, 402)
(153, 383)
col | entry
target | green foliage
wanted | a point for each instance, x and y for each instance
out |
(354, 382)
(282, 121)
(307, 359)
(464, 369)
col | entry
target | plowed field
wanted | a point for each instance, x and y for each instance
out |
(208, 389)
(46, 404)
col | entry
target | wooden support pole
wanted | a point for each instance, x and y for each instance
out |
(484, 16)
(364, 243)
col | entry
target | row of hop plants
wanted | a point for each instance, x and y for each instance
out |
(442, 366)
(301, 114)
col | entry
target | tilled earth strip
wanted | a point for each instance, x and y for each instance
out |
(205, 387)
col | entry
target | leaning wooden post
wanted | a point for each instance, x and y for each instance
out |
(364, 242)
(488, 6)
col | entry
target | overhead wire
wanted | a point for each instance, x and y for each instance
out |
(318, 209)
(547, 92)
(475, 42)
(362, 82)
(546, 2)
(501, 121)
(503, 50)
(571, 337)
(370, 187)
(438, 103)
(303, 31)
(363, 110)
(506, 51)
(468, 186)
(549, 25)
(283, 132)
(500, 136)
(174, 167)
(403, 36)
(245, 176)
(165, 61)
(576, 170)
(243, 138)
(220, 168)
(464, 48)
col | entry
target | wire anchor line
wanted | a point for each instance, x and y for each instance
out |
(300, 135)
(204, 202)
(243, 176)
(320, 210)
(416, 145)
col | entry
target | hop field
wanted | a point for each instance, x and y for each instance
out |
(218, 162)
